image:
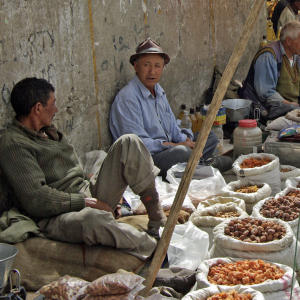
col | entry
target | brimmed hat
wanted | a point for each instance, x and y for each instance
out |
(149, 46)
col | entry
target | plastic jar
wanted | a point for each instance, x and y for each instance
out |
(247, 138)
(218, 130)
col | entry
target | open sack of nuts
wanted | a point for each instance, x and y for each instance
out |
(268, 239)
(250, 191)
(260, 167)
(219, 292)
(287, 172)
(282, 206)
(208, 217)
(117, 286)
(273, 280)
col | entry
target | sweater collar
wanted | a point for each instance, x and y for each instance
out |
(49, 132)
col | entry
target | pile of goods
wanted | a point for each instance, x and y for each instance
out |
(254, 230)
(286, 208)
(229, 214)
(246, 272)
(254, 162)
(231, 295)
(295, 193)
(285, 170)
(247, 189)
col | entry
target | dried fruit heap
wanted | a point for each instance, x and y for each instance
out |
(247, 189)
(285, 170)
(231, 295)
(253, 230)
(254, 162)
(286, 208)
(247, 272)
(228, 214)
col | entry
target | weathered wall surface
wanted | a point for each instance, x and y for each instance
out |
(53, 39)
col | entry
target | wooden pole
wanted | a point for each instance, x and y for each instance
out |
(164, 242)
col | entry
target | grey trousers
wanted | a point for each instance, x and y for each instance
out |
(128, 162)
(166, 159)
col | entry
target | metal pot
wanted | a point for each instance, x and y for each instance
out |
(7, 256)
(237, 109)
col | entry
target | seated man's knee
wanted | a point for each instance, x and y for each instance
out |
(182, 152)
(213, 138)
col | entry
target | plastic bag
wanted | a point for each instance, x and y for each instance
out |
(205, 293)
(63, 288)
(207, 181)
(250, 198)
(188, 246)
(289, 131)
(119, 286)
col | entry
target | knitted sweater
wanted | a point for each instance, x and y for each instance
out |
(43, 174)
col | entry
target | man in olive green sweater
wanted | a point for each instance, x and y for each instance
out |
(46, 181)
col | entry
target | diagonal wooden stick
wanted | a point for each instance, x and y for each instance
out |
(164, 242)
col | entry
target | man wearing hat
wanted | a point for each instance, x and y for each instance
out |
(142, 108)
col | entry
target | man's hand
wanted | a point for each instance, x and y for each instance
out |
(94, 203)
(188, 142)
(295, 104)
(290, 103)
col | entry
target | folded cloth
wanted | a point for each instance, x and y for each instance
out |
(16, 227)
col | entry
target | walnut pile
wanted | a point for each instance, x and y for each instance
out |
(253, 230)
(246, 272)
(286, 208)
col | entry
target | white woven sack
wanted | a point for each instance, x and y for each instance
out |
(203, 294)
(292, 182)
(294, 172)
(268, 173)
(271, 289)
(250, 198)
(222, 200)
(204, 219)
(256, 213)
(205, 216)
(280, 251)
(280, 123)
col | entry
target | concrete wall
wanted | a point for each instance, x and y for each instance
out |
(83, 47)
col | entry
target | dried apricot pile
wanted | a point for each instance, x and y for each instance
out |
(295, 193)
(246, 272)
(253, 230)
(231, 295)
(247, 189)
(254, 162)
(285, 170)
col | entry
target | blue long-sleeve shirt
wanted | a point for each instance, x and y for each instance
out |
(136, 110)
(266, 77)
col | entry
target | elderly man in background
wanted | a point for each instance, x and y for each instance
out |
(290, 13)
(273, 80)
(280, 6)
(142, 108)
